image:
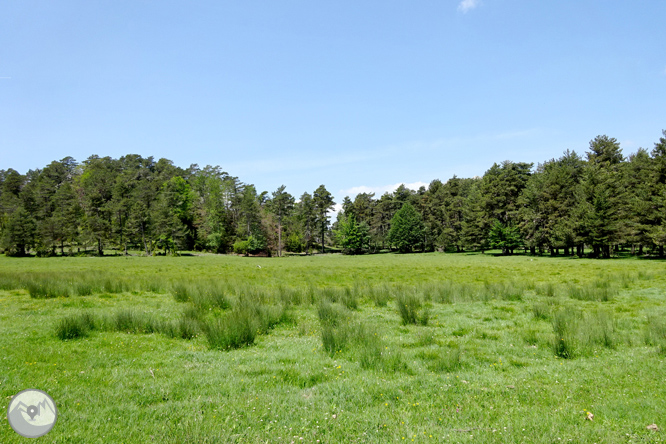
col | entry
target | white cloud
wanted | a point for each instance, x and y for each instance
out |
(352, 192)
(466, 5)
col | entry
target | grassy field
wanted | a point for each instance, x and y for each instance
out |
(386, 348)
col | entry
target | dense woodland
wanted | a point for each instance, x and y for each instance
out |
(594, 204)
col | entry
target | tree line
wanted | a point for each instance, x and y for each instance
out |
(574, 205)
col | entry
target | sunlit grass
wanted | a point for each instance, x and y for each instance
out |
(135, 362)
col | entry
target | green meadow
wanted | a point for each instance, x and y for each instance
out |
(380, 348)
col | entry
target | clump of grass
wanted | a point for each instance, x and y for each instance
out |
(381, 295)
(602, 325)
(567, 343)
(235, 330)
(46, 288)
(600, 290)
(409, 307)
(113, 285)
(575, 332)
(331, 314)
(349, 297)
(131, 321)
(209, 295)
(508, 291)
(268, 316)
(655, 333)
(530, 336)
(541, 311)
(547, 289)
(183, 328)
(290, 296)
(442, 361)
(74, 326)
(445, 292)
(181, 292)
(335, 338)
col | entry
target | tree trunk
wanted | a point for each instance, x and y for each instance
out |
(143, 238)
(533, 250)
(661, 251)
(100, 251)
(279, 239)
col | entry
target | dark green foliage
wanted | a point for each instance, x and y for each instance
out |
(504, 237)
(353, 237)
(406, 229)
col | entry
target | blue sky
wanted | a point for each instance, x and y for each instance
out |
(359, 96)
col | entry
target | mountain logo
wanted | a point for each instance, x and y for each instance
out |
(32, 413)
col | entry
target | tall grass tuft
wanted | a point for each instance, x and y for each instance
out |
(380, 295)
(331, 314)
(74, 326)
(235, 330)
(442, 361)
(209, 294)
(541, 311)
(349, 297)
(410, 309)
(655, 333)
(547, 289)
(576, 332)
(47, 288)
(181, 292)
(131, 321)
(567, 342)
(599, 290)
